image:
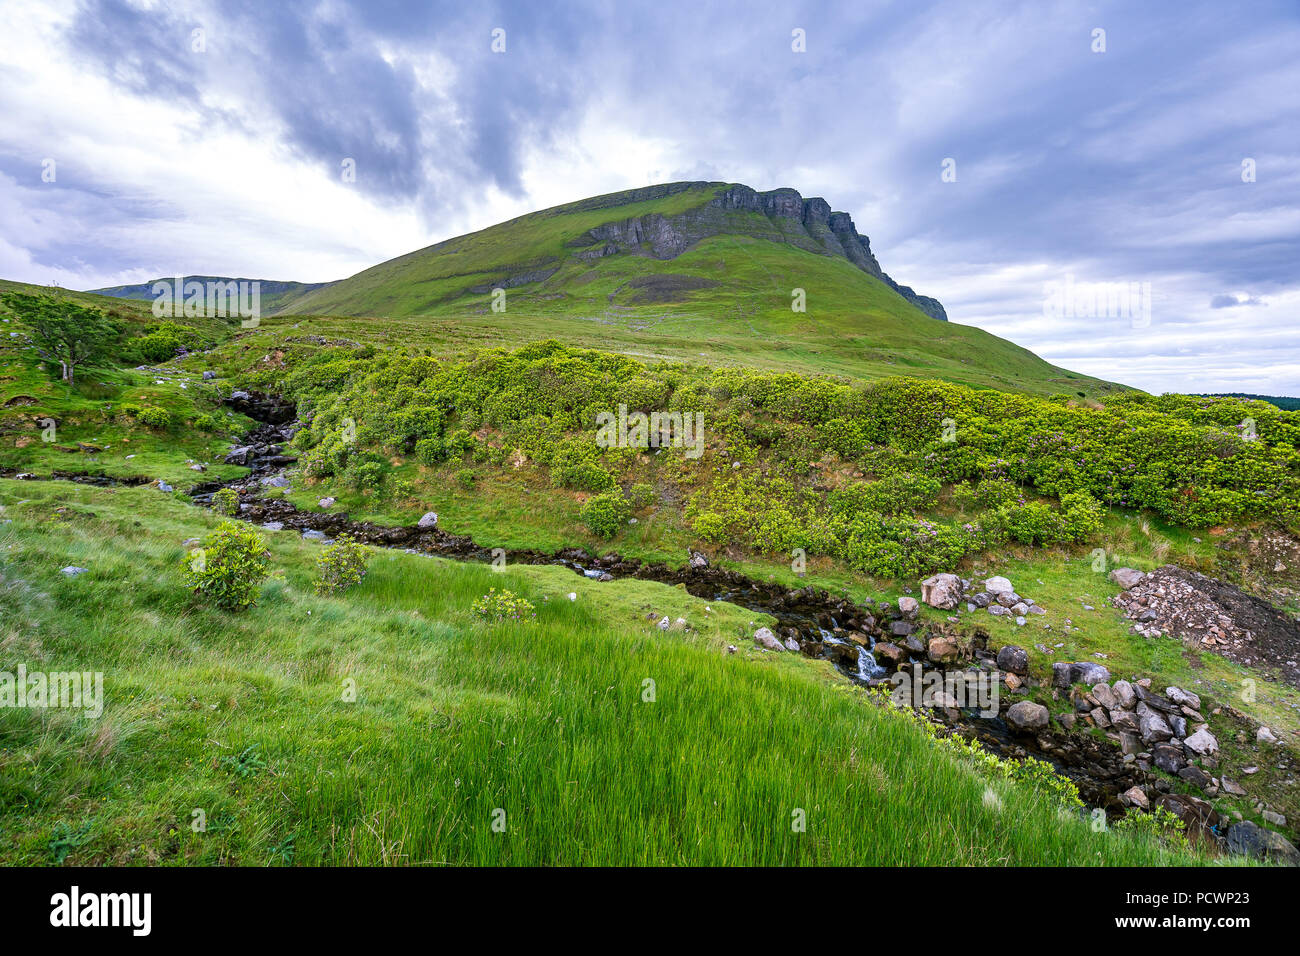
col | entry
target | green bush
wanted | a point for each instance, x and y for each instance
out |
(208, 423)
(430, 451)
(226, 501)
(498, 606)
(341, 565)
(641, 495)
(229, 568)
(606, 513)
(466, 478)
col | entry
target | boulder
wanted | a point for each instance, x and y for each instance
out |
(1135, 797)
(697, 560)
(1250, 839)
(884, 651)
(1153, 727)
(1126, 577)
(942, 591)
(1061, 675)
(429, 520)
(764, 637)
(326, 503)
(908, 607)
(1104, 695)
(1168, 758)
(1013, 659)
(1183, 698)
(1265, 736)
(1125, 694)
(1086, 672)
(998, 585)
(941, 650)
(1202, 742)
(1026, 716)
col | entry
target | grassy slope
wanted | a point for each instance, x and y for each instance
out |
(453, 719)
(854, 324)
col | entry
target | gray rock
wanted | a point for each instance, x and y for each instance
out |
(1086, 672)
(209, 376)
(72, 571)
(697, 560)
(1125, 694)
(1250, 839)
(1013, 659)
(1232, 787)
(198, 467)
(1104, 695)
(942, 591)
(314, 535)
(326, 503)
(428, 521)
(998, 585)
(1265, 736)
(1061, 675)
(909, 607)
(1126, 577)
(997, 610)
(1153, 728)
(764, 637)
(275, 481)
(1202, 742)
(1026, 716)
(1183, 698)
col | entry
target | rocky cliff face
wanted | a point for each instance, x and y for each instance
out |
(807, 223)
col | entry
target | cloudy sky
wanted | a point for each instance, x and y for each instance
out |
(211, 136)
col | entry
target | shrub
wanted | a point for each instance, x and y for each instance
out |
(1158, 823)
(342, 565)
(430, 451)
(208, 423)
(641, 495)
(498, 606)
(153, 417)
(226, 502)
(606, 513)
(584, 476)
(466, 478)
(229, 568)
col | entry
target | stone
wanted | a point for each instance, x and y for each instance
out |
(71, 571)
(1027, 716)
(1232, 787)
(942, 591)
(1020, 609)
(1265, 736)
(209, 376)
(1135, 797)
(764, 637)
(1152, 727)
(909, 607)
(941, 650)
(1277, 819)
(273, 526)
(1202, 742)
(901, 628)
(1183, 698)
(1126, 577)
(790, 643)
(573, 595)
(1250, 839)
(1099, 717)
(1013, 659)
(890, 652)
(998, 585)
(1196, 777)
(314, 535)
(1061, 675)
(198, 467)
(664, 624)
(1104, 696)
(1168, 758)
(275, 481)
(1125, 694)
(1122, 719)
(163, 486)
(1086, 672)
(998, 610)
(428, 521)
(1129, 743)
(326, 502)
(981, 599)
(697, 560)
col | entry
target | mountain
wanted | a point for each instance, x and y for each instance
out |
(692, 271)
(275, 295)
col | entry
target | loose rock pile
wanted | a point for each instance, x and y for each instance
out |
(949, 592)
(1210, 615)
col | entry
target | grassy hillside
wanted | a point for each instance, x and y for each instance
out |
(726, 299)
(454, 722)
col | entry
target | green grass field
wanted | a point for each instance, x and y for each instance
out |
(243, 718)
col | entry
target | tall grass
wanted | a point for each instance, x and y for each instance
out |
(545, 729)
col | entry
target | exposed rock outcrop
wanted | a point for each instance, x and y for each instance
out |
(806, 223)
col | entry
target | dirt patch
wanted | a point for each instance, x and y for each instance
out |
(665, 288)
(1215, 616)
(21, 400)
